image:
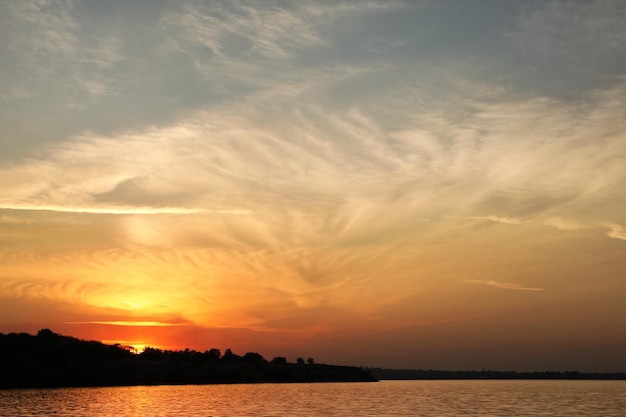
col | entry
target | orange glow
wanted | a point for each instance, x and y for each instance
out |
(134, 346)
(131, 323)
(319, 179)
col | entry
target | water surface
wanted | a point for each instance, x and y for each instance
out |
(385, 398)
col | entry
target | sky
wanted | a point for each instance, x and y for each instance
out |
(403, 184)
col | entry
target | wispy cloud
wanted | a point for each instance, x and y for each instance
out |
(100, 210)
(617, 232)
(240, 47)
(563, 224)
(504, 285)
(230, 160)
(572, 46)
(240, 28)
(49, 46)
(498, 219)
(52, 20)
(268, 32)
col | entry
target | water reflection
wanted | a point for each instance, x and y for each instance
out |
(387, 398)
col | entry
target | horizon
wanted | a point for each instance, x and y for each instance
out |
(135, 351)
(395, 184)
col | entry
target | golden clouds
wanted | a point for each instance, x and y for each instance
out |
(232, 221)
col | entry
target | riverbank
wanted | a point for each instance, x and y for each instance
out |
(430, 374)
(51, 360)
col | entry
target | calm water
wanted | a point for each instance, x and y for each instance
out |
(386, 398)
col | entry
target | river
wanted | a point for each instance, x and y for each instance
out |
(385, 398)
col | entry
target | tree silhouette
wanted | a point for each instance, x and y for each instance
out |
(52, 360)
(213, 355)
(230, 357)
(253, 357)
(46, 333)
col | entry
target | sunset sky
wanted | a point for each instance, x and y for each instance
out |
(405, 184)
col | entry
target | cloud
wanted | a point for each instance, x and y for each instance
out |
(100, 210)
(498, 219)
(617, 232)
(54, 22)
(342, 169)
(568, 47)
(268, 32)
(50, 47)
(241, 48)
(574, 30)
(563, 224)
(504, 285)
(240, 28)
(265, 171)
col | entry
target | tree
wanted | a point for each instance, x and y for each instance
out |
(253, 357)
(300, 361)
(280, 360)
(47, 333)
(230, 357)
(151, 353)
(310, 361)
(213, 355)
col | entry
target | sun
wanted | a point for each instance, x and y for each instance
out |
(129, 345)
(138, 347)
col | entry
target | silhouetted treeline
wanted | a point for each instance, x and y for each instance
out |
(405, 374)
(52, 360)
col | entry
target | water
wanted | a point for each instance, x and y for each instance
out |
(386, 398)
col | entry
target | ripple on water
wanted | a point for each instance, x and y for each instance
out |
(386, 398)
